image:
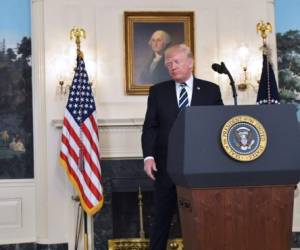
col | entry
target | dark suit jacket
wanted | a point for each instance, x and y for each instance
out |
(162, 111)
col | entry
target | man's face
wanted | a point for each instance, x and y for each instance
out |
(157, 43)
(179, 65)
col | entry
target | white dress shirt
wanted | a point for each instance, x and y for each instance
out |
(188, 87)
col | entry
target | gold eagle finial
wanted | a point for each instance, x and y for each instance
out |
(264, 29)
(77, 33)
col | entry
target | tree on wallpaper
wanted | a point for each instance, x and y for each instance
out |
(16, 130)
(288, 50)
(288, 53)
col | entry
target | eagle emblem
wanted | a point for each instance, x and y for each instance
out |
(243, 138)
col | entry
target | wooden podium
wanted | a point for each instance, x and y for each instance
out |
(226, 204)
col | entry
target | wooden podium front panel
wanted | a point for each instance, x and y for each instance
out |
(240, 218)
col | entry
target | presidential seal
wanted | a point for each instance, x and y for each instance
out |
(244, 138)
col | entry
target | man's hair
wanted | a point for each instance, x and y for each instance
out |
(181, 48)
(165, 36)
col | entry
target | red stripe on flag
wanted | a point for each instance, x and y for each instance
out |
(93, 166)
(72, 132)
(87, 133)
(94, 148)
(94, 124)
(77, 181)
(70, 149)
(87, 179)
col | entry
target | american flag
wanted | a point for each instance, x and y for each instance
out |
(267, 91)
(80, 154)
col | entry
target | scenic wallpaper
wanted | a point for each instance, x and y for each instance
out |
(16, 135)
(288, 50)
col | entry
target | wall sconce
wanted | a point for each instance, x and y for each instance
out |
(62, 69)
(243, 54)
(64, 80)
(62, 89)
(66, 60)
(63, 86)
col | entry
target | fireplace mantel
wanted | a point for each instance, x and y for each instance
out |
(119, 138)
(109, 123)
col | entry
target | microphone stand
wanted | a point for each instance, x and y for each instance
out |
(234, 94)
(221, 69)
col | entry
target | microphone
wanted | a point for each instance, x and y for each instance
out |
(221, 69)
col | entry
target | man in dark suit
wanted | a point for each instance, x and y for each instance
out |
(165, 101)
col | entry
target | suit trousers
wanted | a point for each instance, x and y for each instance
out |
(165, 205)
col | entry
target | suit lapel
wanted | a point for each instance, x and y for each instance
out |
(172, 96)
(198, 97)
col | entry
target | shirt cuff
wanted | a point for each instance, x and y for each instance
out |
(148, 157)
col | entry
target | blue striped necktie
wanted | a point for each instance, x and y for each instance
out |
(183, 97)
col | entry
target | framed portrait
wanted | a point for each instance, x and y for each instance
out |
(147, 36)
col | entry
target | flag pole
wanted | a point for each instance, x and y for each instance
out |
(78, 221)
(86, 243)
(80, 153)
(77, 33)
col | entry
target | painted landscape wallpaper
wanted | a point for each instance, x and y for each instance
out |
(288, 50)
(16, 131)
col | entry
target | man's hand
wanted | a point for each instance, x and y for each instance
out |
(149, 167)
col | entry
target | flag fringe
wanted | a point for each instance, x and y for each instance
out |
(89, 211)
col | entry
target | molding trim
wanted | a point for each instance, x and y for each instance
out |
(109, 123)
(5, 183)
(39, 117)
(119, 138)
(11, 211)
(35, 246)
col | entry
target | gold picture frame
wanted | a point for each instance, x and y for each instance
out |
(139, 28)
